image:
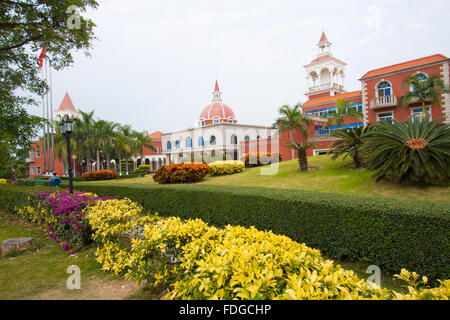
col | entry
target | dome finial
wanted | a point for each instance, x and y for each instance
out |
(217, 94)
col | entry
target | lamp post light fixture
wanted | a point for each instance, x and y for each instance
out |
(66, 129)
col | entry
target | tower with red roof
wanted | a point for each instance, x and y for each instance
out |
(325, 73)
(66, 108)
(217, 112)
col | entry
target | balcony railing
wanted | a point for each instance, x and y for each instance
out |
(383, 102)
(321, 137)
(327, 86)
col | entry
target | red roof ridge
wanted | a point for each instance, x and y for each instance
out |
(66, 103)
(375, 72)
(332, 98)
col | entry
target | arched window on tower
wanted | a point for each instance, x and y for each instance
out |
(212, 141)
(188, 142)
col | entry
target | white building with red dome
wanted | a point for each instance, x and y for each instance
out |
(217, 135)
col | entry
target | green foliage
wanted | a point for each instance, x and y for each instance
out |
(349, 143)
(142, 170)
(428, 90)
(392, 234)
(416, 150)
(26, 27)
(343, 112)
(292, 120)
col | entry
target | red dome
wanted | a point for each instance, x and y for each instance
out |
(217, 110)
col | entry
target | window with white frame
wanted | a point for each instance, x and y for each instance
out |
(212, 140)
(32, 170)
(38, 154)
(216, 122)
(177, 144)
(384, 89)
(234, 139)
(417, 112)
(385, 116)
(38, 170)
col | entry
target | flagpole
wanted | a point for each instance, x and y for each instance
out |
(51, 116)
(43, 116)
(48, 124)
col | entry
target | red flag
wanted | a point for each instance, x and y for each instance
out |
(41, 57)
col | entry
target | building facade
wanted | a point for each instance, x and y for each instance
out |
(218, 135)
(378, 100)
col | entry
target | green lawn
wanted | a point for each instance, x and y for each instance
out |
(327, 176)
(40, 272)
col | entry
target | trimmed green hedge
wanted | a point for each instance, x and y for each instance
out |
(392, 234)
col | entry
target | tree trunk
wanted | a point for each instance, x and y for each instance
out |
(357, 160)
(88, 162)
(108, 160)
(98, 160)
(120, 164)
(302, 160)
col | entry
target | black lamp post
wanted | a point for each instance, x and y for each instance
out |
(66, 128)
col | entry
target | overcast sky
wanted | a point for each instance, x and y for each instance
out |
(156, 61)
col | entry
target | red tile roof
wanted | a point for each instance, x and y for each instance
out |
(404, 65)
(67, 103)
(323, 38)
(156, 134)
(329, 99)
(321, 58)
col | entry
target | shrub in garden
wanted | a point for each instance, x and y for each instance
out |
(196, 261)
(260, 159)
(416, 150)
(100, 175)
(61, 214)
(142, 170)
(219, 168)
(3, 181)
(181, 173)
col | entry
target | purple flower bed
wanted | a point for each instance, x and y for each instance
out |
(64, 218)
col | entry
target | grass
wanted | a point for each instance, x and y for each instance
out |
(40, 272)
(326, 176)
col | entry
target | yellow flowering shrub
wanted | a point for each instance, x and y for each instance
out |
(219, 168)
(3, 181)
(197, 261)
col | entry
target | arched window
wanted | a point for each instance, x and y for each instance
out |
(247, 138)
(177, 144)
(422, 77)
(212, 141)
(384, 89)
(169, 145)
(234, 139)
(188, 142)
(201, 142)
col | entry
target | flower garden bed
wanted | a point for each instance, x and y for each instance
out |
(194, 260)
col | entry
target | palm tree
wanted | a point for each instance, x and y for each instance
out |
(301, 152)
(141, 140)
(427, 90)
(126, 132)
(342, 113)
(121, 146)
(82, 135)
(292, 120)
(349, 143)
(102, 136)
(110, 136)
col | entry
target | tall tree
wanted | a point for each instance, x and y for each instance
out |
(292, 120)
(141, 140)
(122, 146)
(423, 91)
(27, 26)
(83, 136)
